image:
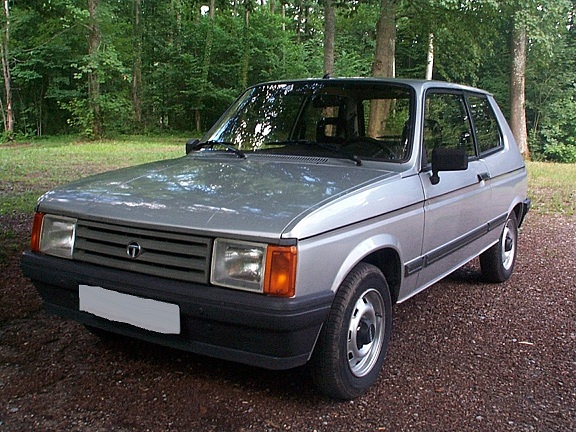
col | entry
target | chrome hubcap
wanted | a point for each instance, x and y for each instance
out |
(365, 333)
(508, 246)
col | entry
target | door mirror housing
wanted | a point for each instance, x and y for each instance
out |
(448, 159)
(192, 145)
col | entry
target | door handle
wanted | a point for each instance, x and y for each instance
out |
(483, 176)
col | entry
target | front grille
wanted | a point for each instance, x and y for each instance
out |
(171, 255)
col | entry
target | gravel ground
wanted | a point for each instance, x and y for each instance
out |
(464, 356)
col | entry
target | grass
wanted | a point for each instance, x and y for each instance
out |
(552, 187)
(27, 170)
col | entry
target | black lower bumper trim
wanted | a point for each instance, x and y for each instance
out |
(526, 205)
(254, 329)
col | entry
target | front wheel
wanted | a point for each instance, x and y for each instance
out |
(497, 263)
(353, 342)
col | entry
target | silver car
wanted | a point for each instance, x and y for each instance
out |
(288, 232)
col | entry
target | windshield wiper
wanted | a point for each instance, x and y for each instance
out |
(334, 149)
(227, 145)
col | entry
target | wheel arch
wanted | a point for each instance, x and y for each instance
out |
(384, 253)
(388, 261)
(520, 210)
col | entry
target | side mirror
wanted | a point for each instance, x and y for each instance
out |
(447, 159)
(192, 145)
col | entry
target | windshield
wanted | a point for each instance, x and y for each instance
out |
(368, 120)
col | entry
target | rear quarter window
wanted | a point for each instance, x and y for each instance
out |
(486, 128)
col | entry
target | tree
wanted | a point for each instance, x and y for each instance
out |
(518, 86)
(329, 34)
(384, 62)
(248, 9)
(8, 111)
(550, 78)
(170, 65)
(430, 57)
(385, 54)
(137, 64)
(94, 39)
(540, 36)
(206, 63)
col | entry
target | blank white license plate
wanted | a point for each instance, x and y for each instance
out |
(145, 313)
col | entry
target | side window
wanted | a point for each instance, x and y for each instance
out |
(486, 127)
(446, 124)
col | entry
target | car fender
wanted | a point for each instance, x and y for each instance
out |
(363, 250)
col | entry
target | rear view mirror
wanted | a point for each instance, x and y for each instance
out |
(448, 159)
(327, 100)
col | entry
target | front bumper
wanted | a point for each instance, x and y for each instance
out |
(269, 332)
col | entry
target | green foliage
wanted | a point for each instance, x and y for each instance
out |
(355, 39)
(558, 130)
(551, 95)
(560, 152)
(81, 117)
(193, 67)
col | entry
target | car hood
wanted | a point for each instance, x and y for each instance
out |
(252, 197)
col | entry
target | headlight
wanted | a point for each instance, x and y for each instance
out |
(53, 235)
(254, 267)
(238, 265)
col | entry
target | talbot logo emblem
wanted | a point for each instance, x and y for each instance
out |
(134, 250)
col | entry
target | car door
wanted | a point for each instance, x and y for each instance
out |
(457, 208)
(505, 167)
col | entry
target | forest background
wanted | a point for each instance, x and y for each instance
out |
(100, 68)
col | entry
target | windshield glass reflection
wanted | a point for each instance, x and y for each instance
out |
(342, 119)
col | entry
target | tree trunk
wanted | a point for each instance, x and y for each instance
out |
(246, 54)
(205, 65)
(94, 38)
(306, 30)
(384, 63)
(517, 89)
(329, 32)
(137, 67)
(176, 7)
(430, 57)
(8, 114)
(299, 21)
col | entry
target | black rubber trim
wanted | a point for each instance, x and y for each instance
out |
(422, 262)
(414, 266)
(270, 332)
(526, 205)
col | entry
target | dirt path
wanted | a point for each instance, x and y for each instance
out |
(464, 356)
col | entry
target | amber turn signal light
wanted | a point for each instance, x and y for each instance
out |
(36, 230)
(280, 278)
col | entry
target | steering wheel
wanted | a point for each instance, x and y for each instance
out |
(381, 147)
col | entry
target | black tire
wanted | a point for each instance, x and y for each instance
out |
(497, 263)
(353, 342)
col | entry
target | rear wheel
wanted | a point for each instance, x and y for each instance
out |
(354, 340)
(497, 263)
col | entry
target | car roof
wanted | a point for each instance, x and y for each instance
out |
(419, 85)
